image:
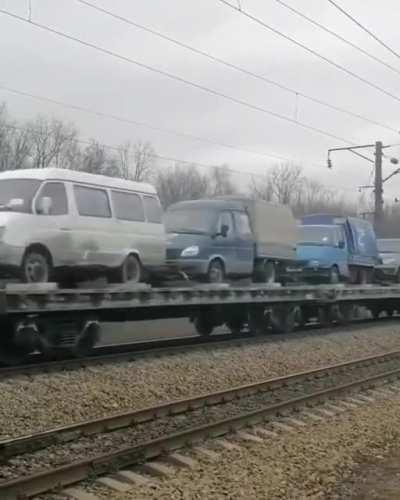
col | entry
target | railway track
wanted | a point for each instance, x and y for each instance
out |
(66, 455)
(36, 364)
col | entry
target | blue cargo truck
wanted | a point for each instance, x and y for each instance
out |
(339, 248)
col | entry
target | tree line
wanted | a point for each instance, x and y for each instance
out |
(50, 142)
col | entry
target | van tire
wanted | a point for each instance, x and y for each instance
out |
(36, 266)
(216, 272)
(130, 271)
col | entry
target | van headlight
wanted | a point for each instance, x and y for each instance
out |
(190, 251)
(314, 263)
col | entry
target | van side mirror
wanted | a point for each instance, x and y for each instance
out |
(224, 230)
(44, 205)
(341, 244)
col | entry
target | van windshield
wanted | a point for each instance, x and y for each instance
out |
(191, 221)
(21, 189)
(318, 235)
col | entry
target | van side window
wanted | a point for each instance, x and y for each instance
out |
(92, 202)
(127, 206)
(153, 209)
(243, 228)
(225, 219)
(55, 191)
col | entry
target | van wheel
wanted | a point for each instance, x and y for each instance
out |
(215, 273)
(36, 267)
(131, 270)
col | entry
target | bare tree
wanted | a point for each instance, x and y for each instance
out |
(286, 183)
(53, 143)
(181, 182)
(221, 182)
(261, 188)
(15, 143)
(94, 159)
(137, 161)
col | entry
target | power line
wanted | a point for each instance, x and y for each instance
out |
(310, 50)
(375, 37)
(336, 35)
(180, 79)
(136, 123)
(223, 62)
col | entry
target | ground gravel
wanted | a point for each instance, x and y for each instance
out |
(316, 462)
(41, 401)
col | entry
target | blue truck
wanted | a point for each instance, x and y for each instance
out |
(337, 248)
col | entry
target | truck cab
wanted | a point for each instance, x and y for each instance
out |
(322, 253)
(359, 244)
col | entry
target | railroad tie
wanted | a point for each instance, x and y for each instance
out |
(132, 477)
(228, 445)
(157, 469)
(249, 437)
(79, 494)
(207, 453)
(114, 484)
(181, 460)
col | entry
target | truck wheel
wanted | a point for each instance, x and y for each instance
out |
(363, 276)
(334, 276)
(216, 272)
(265, 272)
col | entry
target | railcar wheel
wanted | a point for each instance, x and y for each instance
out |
(204, 325)
(283, 318)
(257, 320)
(36, 267)
(88, 338)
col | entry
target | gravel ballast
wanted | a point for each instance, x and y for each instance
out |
(87, 447)
(318, 461)
(40, 402)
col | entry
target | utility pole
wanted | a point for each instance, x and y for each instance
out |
(379, 180)
(378, 188)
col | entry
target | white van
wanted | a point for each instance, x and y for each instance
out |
(58, 220)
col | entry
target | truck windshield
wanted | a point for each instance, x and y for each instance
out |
(191, 221)
(21, 189)
(389, 246)
(317, 235)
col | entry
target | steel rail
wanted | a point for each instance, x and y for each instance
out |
(61, 476)
(119, 353)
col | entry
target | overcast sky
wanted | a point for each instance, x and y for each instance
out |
(41, 63)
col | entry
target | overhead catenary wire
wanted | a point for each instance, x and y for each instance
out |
(311, 51)
(130, 121)
(336, 35)
(235, 67)
(364, 28)
(180, 79)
